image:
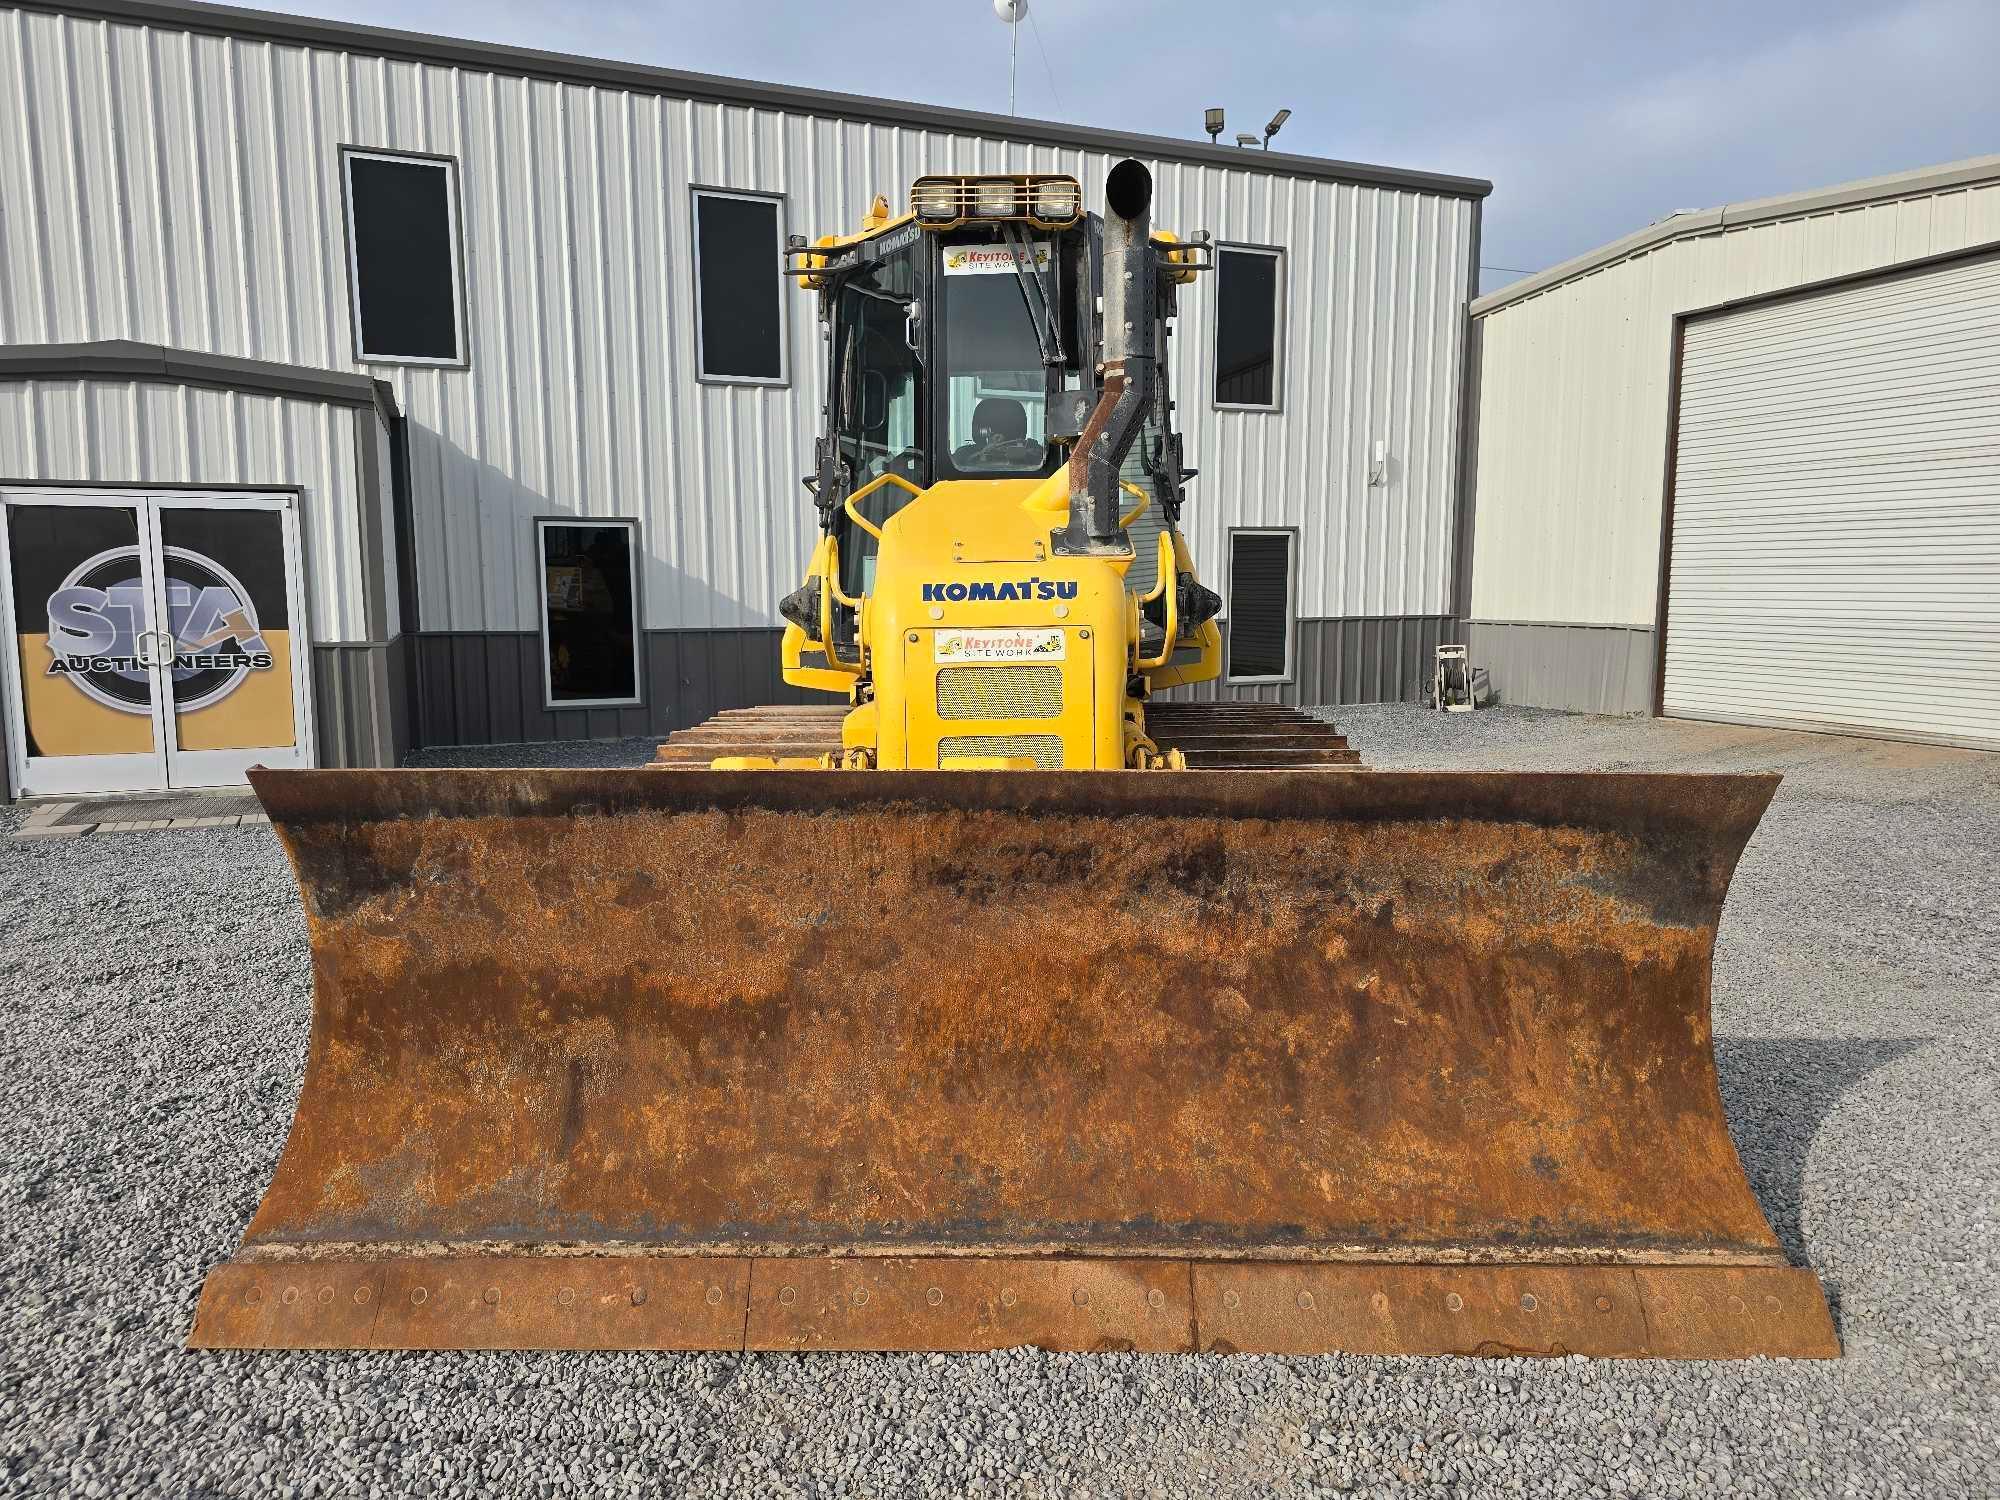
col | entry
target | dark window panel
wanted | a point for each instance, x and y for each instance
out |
(588, 623)
(740, 293)
(1246, 329)
(405, 261)
(1260, 606)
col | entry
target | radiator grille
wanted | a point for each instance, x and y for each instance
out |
(1044, 749)
(999, 693)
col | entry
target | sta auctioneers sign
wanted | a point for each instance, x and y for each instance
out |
(115, 628)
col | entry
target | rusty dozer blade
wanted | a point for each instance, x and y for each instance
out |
(1229, 1061)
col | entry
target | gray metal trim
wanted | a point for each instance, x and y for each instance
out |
(151, 486)
(1970, 172)
(1343, 659)
(485, 687)
(360, 697)
(1465, 502)
(1556, 624)
(709, 88)
(1598, 669)
(123, 359)
(374, 573)
(1901, 270)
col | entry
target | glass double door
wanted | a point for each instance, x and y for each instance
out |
(153, 640)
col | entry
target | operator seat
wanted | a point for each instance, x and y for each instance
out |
(995, 420)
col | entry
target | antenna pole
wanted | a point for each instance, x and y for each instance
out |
(1013, 56)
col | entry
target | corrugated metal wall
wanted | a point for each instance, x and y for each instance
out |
(1380, 659)
(208, 216)
(1574, 396)
(124, 431)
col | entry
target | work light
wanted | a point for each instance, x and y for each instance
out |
(997, 198)
(935, 198)
(1056, 200)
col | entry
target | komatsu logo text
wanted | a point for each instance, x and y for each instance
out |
(1000, 593)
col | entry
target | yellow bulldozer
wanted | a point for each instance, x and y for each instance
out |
(1005, 1002)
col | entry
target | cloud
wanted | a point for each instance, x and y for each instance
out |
(1809, 105)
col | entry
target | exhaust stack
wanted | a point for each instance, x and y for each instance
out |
(1127, 375)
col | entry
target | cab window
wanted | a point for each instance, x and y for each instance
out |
(997, 384)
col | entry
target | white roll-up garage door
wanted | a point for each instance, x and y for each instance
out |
(1836, 511)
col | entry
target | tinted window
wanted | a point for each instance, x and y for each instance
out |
(992, 360)
(1260, 605)
(739, 292)
(402, 220)
(588, 623)
(1246, 328)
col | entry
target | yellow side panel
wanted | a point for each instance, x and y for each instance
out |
(818, 679)
(1209, 639)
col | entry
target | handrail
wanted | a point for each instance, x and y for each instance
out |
(827, 596)
(1140, 509)
(870, 488)
(1147, 664)
(1159, 582)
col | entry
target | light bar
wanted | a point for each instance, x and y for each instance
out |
(1048, 202)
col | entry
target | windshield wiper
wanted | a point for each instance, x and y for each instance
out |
(1039, 296)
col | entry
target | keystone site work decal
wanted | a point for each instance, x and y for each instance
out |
(997, 645)
(988, 260)
(99, 612)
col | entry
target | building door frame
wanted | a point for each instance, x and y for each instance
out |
(167, 766)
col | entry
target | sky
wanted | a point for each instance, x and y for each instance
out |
(1592, 118)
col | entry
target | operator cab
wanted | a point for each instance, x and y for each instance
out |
(963, 345)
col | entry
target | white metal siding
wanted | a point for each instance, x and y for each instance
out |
(1836, 515)
(1573, 396)
(121, 433)
(184, 190)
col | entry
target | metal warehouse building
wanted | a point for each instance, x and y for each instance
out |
(1744, 465)
(361, 390)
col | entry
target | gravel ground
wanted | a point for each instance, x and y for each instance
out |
(153, 1007)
